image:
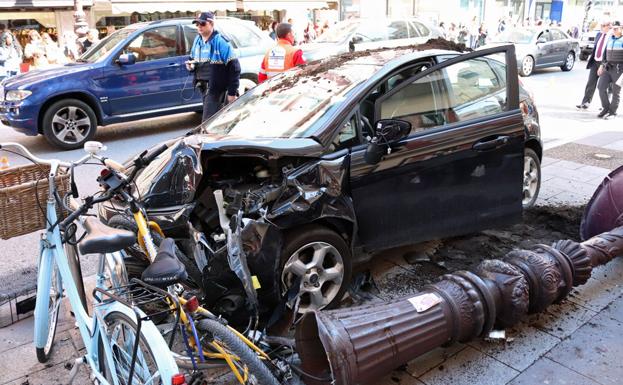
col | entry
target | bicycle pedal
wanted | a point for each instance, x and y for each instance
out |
(74, 369)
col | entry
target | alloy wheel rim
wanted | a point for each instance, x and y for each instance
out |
(320, 268)
(530, 179)
(527, 65)
(71, 124)
(570, 61)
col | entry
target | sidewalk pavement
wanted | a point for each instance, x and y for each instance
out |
(576, 342)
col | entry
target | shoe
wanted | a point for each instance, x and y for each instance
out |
(602, 113)
(583, 106)
(610, 115)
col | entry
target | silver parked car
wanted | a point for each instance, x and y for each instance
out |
(541, 47)
(361, 34)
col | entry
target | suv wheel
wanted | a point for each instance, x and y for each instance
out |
(69, 123)
(531, 178)
(321, 260)
(569, 62)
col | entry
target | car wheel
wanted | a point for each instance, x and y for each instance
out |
(245, 85)
(321, 260)
(527, 66)
(569, 62)
(531, 178)
(69, 123)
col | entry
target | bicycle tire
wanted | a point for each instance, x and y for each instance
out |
(54, 307)
(235, 345)
(112, 319)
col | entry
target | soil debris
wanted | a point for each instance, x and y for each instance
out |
(408, 270)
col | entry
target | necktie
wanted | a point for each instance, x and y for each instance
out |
(600, 46)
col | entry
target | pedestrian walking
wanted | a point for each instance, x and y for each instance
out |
(283, 56)
(70, 47)
(16, 42)
(53, 52)
(215, 66)
(90, 39)
(10, 57)
(609, 72)
(593, 64)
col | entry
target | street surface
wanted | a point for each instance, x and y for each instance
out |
(577, 342)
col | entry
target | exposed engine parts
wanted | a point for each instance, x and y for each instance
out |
(359, 345)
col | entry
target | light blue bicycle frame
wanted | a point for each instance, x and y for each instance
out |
(91, 328)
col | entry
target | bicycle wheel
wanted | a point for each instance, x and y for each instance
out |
(121, 335)
(259, 373)
(53, 306)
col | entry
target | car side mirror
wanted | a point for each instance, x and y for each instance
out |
(541, 40)
(353, 41)
(126, 59)
(388, 132)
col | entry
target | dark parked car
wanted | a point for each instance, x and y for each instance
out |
(136, 72)
(313, 170)
(541, 47)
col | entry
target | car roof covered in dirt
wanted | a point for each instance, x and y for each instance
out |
(298, 103)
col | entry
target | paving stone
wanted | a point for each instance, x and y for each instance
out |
(615, 309)
(547, 372)
(547, 192)
(22, 360)
(618, 145)
(561, 319)
(612, 272)
(568, 164)
(56, 375)
(546, 161)
(17, 334)
(585, 189)
(528, 344)
(580, 174)
(568, 198)
(593, 351)
(602, 139)
(424, 363)
(595, 294)
(399, 377)
(469, 366)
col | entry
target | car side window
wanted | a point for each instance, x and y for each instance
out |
(241, 35)
(421, 28)
(190, 33)
(557, 35)
(463, 91)
(400, 77)
(154, 44)
(369, 32)
(397, 30)
(412, 31)
(347, 137)
(546, 35)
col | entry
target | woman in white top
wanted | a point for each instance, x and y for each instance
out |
(52, 51)
(36, 51)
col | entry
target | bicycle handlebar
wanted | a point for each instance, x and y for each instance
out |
(24, 151)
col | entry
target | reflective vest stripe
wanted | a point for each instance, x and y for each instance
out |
(279, 59)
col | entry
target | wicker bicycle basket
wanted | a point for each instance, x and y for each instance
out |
(23, 197)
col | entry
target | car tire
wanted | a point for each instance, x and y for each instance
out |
(569, 62)
(69, 123)
(323, 283)
(527, 66)
(531, 178)
(247, 82)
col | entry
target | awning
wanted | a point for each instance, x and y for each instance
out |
(151, 6)
(259, 5)
(42, 3)
(47, 19)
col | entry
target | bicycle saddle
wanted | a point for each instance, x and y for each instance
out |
(104, 239)
(166, 269)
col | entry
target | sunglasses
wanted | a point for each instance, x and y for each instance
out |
(202, 23)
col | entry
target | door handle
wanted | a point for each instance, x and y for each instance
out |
(174, 64)
(491, 144)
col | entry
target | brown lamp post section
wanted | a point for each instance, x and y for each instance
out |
(359, 345)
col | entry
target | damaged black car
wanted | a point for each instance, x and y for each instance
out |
(278, 196)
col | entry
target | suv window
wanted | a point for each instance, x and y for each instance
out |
(371, 32)
(398, 30)
(460, 92)
(190, 33)
(153, 44)
(421, 28)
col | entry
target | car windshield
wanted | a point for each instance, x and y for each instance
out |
(105, 46)
(291, 106)
(338, 33)
(517, 36)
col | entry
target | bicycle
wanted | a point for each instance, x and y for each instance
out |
(200, 328)
(120, 340)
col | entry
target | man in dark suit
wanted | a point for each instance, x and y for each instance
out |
(594, 61)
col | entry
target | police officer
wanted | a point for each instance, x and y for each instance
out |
(216, 68)
(609, 72)
(283, 56)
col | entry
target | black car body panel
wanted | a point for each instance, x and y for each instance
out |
(459, 174)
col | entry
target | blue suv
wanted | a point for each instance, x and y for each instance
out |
(135, 73)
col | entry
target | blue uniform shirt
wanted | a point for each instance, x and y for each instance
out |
(614, 50)
(216, 63)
